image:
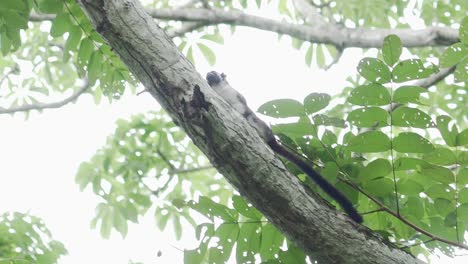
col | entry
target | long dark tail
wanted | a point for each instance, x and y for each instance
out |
(345, 204)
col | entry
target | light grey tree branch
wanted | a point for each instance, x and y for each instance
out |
(233, 146)
(328, 33)
(42, 106)
(320, 32)
(434, 79)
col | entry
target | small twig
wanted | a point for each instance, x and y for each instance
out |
(12, 70)
(42, 106)
(428, 82)
(165, 159)
(373, 211)
(434, 79)
(143, 91)
(417, 244)
(336, 58)
(401, 218)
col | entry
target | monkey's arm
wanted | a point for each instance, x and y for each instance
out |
(219, 83)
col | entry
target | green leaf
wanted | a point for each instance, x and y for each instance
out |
(85, 50)
(409, 163)
(409, 142)
(391, 49)
(448, 134)
(463, 195)
(308, 56)
(207, 53)
(60, 25)
(440, 156)
(410, 188)
(462, 177)
(375, 169)
(414, 207)
(298, 129)
(412, 69)
(379, 187)
(244, 209)
(315, 102)
(461, 72)
(271, 241)
(408, 94)
(217, 38)
(370, 141)
(438, 173)
(405, 116)
(374, 70)
(282, 108)
(73, 39)
(453, 54)
(440, 191)
(462, 157)
(368, 117)
(248, 243)
(463, 31)
(50, 6)
(227, 235)
(324, 120)
(369, 95)
(320, 56)
(210, 209)
(462, 138)
(94, 67)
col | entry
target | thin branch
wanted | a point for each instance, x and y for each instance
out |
(42, 106)
(15, 68)
(401, 218)
(336, 59)
(434, 79)
(417, 244)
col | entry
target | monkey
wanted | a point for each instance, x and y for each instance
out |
(221, 86)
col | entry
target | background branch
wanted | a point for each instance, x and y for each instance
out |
(42, 106)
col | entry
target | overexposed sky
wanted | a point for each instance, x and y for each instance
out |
(40, 156)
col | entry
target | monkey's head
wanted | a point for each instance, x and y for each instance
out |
(214, 77)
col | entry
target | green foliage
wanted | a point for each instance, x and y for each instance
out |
(148, 159)
(25, 239)
(400, 159)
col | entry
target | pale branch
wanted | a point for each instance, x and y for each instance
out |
(35, 17)
(428, 82)
(321, 33)
(42, 106)
(308, 12)
(434, 79)
(332, 34)
(231, 145)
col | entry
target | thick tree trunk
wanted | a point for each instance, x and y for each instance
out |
(230, 143)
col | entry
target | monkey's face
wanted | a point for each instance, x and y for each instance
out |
(214, 77)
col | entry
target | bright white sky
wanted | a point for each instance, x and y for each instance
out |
(40, 156)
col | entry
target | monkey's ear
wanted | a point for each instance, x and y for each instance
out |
(223, 76)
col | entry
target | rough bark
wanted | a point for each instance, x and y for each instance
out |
(232, 146)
